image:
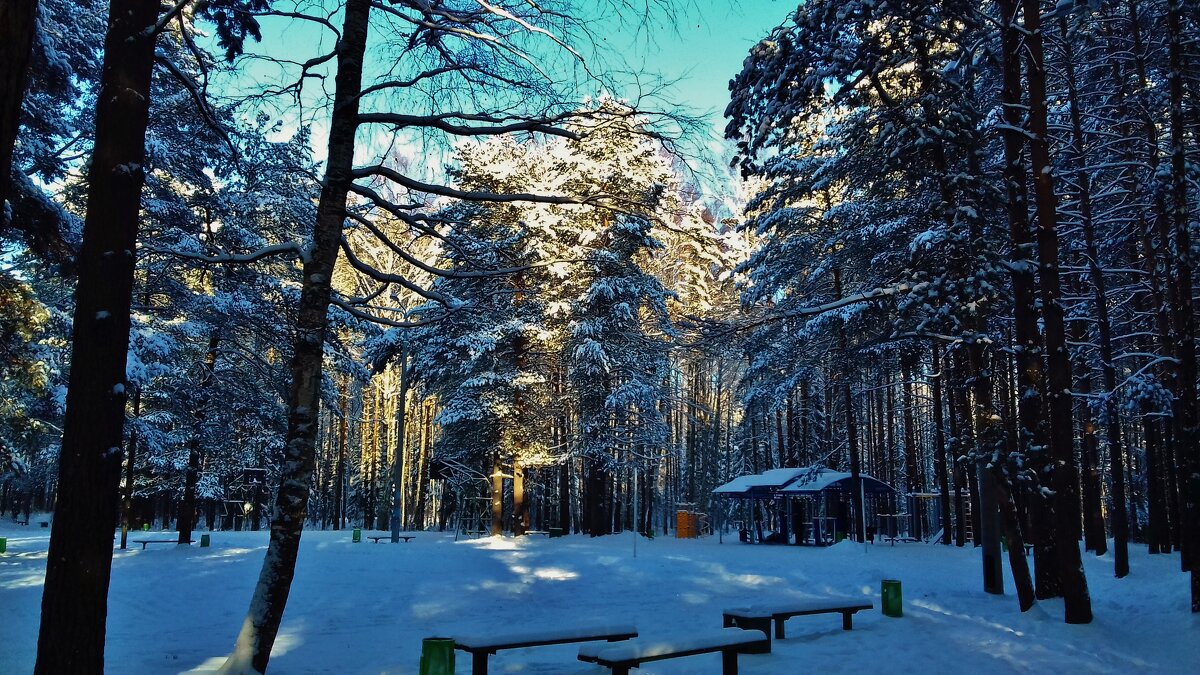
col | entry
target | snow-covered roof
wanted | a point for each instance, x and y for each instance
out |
(821, 480)
(761, 482)
(797, 481)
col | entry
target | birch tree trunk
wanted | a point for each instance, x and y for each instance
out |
(253, 648)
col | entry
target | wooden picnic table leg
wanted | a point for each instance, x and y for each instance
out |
(779, 627)
(479, 663)
(729, 661)
(847, 620)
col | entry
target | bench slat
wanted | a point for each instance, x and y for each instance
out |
(704, 642)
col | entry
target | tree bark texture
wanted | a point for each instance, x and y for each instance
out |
(1187, 416)
(74, 601)
(939, 436)
(18, 25)
(1065, 474)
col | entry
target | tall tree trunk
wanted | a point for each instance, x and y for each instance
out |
(521, 441)
(186, 519)
(18, 25)
(253, 648)
(1160, 261)
(339, 472)
(74, 600)
(1030, 373)
(1089, 455)
(939, 440)
(1116, 451)
(1065, 475)
(422, 480)
(1187, 417)
(398, 477)
(858, 527)
(520, 500)
(497, 524)
(983, 421)
(911, 470)
(130, 459)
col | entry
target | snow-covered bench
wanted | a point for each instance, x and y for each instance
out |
(759, 617)
(483, 646)
(632, 654)
(375, 538)
(143, 542)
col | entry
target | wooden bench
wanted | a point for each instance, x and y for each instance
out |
(760, 617)
(406, 537)
(728, 641)
(483, 646)
(143, 542)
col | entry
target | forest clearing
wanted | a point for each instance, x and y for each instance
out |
(893, 300)
(364, 608)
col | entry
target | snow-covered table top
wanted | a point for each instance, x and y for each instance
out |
(544, 636)
(799, 607)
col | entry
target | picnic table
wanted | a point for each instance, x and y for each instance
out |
(760, 617)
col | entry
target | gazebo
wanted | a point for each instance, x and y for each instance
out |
(812, 502)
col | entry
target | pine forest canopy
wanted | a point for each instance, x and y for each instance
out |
(430, 264)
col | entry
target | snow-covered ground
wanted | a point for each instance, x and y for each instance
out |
(364, 608)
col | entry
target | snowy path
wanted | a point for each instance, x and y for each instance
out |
(364, 608)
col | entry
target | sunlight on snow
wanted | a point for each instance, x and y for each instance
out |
(285, 642)
(555, 574)
(27, 581)
(925, 604)
(497, 543)
(210, 665)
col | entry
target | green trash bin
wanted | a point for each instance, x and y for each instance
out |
(204, 541)
(3, 544)
(893, 603)
(556, 532)
(145, 527)
(356, 537)
(437, 656)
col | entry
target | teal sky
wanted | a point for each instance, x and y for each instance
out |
(713, 38)
(699, 48)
